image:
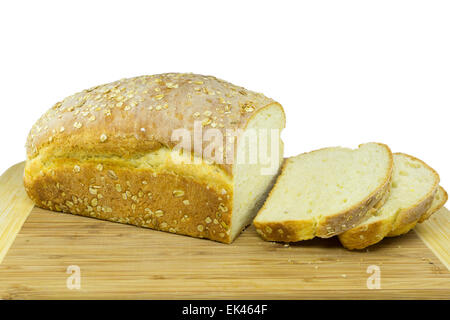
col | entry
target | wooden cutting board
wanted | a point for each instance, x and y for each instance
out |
(119, 261)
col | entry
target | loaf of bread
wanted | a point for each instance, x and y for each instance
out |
(109, 153)
(415, 192)
(325, 192)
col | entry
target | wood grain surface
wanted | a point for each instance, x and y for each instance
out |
(436, 234)
(121, 261)
(14, 206)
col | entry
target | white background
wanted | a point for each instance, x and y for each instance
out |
(346, 72)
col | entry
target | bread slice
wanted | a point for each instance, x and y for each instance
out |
(414, 185)
(440, 198)
(325, 192)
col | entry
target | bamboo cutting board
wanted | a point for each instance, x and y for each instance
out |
(41, 257)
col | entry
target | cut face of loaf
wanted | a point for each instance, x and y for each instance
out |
(414, 185)
(252, 182)
(109, 153)
(325, 192)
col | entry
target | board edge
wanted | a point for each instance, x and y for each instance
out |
(15, 206)
(435, 234)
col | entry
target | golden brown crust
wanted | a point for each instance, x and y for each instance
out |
(364, 235)
(291, 231)
(286, 231)
(134, 116)
(160, 200)
(369, 234)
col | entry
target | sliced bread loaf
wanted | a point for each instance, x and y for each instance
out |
(414, 185)
(325, 192)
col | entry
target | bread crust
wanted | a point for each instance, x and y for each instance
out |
(131, 117)
(141, 197)
(366, 235)
(369, 234)
(294, 230)
(286, 231)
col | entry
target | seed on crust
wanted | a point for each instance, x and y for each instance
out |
(178, 193)
(112, 175)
